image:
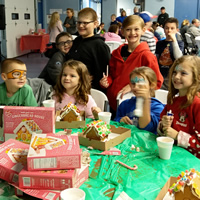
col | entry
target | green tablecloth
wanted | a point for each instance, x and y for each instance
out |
(107, 179)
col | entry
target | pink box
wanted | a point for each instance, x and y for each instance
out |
(51, 152)
(21, 122)
(13, 157)
(55, 180)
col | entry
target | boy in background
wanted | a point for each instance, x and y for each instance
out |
(90, 48)
(14, 90)
(169, 49)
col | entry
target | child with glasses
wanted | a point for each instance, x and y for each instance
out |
(52, 69)
(90, 48)
(14, 91)
(143, 82)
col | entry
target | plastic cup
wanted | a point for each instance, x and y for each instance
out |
(49, 103)
(105, 116)
(72, 194)
(165, 145)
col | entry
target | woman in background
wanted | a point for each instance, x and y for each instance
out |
(70, 22)
(112, 34)
(55, 27)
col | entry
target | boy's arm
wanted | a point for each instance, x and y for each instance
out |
(176, 50)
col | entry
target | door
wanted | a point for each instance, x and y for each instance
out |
(185, 9)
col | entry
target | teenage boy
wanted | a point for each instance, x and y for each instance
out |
(169, 49)
(14, 91)
(89, 48)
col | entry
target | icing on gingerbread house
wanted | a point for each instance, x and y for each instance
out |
(70, 113)
(187, 186)
(97, 130)
(25, 130)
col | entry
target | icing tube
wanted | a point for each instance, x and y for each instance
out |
(138, 112)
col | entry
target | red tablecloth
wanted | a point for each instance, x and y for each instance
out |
(34, 42)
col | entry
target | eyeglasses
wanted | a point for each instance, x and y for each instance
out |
(84, 23)
(16, 73)
(68, 42)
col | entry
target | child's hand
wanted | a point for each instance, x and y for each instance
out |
(104, 81)
(172, 36)
(170, 132)
(142, 90)
(126, 120)
(95, 111)
(167, 121)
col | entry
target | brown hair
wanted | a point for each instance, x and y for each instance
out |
(123, 11)
(147, 73)
(133, 19)
(88, 11)
(113, 28)
(194, 63)
(83, 88)
(171, 20)
(62, 34)
(5, 64)
(72, 10)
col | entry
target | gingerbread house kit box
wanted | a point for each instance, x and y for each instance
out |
(21, 122)
(54, 179)
(52, 152)
(13, 158)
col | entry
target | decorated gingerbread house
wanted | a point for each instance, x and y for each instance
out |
(25, 130)
(187, 186)
(97, 130)
(70, 113)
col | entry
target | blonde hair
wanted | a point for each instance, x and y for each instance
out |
(194, 63)
(185, 22)
(147, 73)
(54, 18)
(133, 19)
(83, 88)
(88, 12)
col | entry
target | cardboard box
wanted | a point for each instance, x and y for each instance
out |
(120, 135)
(187, 194)
(19, 122)
(55, 179)
(52, 151)
(13, 158)
(73, 124)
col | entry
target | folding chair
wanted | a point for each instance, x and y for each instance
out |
(161, 95)
(100, 99)
(125, 96)
(113, 45)
(191, 47)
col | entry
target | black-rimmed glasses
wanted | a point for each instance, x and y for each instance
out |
(84, 23)
(68, 42)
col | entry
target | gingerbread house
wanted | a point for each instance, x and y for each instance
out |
(187, 186)
(97, 130)
(70, 113)
(25, 130)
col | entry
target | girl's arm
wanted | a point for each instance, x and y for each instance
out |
(89, 107)
(60, 27)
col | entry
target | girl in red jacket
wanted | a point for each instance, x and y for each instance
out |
(184, 102)
(126, 58)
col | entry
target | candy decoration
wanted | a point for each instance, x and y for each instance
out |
(131, 168)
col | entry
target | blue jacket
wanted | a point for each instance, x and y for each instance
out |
(127, 107)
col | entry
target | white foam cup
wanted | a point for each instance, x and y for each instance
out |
(72, 194)
(49, 103)
(105, 116)
(165, 145)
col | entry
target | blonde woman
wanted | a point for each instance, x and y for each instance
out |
(55, 27)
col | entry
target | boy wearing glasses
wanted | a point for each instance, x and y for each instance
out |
(90, 48)
(52, 69)
(14, 90)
